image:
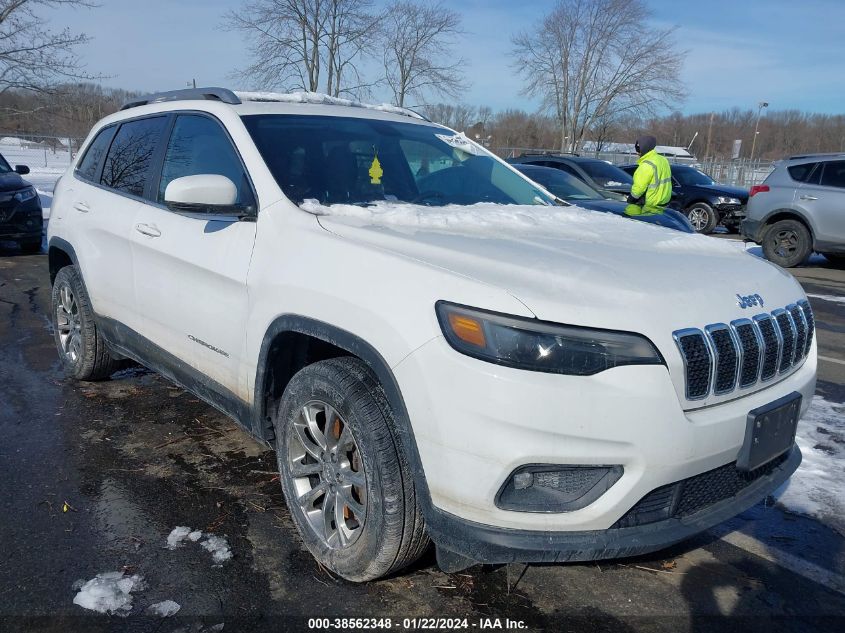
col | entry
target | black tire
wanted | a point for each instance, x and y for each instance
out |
(30, 247)
(702, 217)
(837, 259)
(787, 243)
(392, 534)
(90, 359)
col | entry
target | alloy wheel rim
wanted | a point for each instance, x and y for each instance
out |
(328, 474)
(785, 243)
(698, 218)
(69, 325)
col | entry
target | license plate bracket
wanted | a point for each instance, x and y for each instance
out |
(769, 431)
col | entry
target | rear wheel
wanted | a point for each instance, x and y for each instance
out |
(787, 243)
(81, 347)
(345, 477)
(702, 217)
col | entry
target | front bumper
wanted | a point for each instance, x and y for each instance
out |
(751, 230)
(478, 543)
(475, 423)
(731, 213)
(21, 221)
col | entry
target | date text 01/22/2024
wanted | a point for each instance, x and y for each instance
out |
(412, 624)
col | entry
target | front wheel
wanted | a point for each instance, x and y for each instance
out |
(347, 483)
(81, 347)
(787, 243)
(702, 217)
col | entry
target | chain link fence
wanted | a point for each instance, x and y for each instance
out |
(39, 152)
(739, 172)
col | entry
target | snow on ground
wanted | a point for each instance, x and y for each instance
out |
(164, 609)
(109, 592)
(493, 220)
(817, 488)
(217, 546)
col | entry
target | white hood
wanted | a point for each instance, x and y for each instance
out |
(578, 267)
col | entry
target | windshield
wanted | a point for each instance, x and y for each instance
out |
(561, 184)
(605, 174)
(4, 166)
(340, 160)
(690, 176)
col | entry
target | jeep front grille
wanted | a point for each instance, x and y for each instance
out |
(725, 357)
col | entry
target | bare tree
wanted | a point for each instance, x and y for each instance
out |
(459, 116)
(417, 40)
(32, 57)
(592, 59)
(306, 44)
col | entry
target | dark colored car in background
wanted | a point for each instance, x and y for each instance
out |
(20, 209)
(704, 201)
(608, 179)
(575, 191)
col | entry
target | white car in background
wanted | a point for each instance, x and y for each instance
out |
(434, 345)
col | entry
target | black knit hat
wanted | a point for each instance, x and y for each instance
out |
(645, 144)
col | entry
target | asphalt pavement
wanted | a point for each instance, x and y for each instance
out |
(95, 476)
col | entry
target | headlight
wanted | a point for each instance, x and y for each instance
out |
(539, 346)
(725, 200)
(25, 194)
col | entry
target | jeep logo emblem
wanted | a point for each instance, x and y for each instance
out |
(749, 301)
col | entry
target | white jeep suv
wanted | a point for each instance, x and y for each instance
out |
(435, 347)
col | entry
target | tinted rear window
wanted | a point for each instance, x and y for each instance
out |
(130, 157)
(93, 155)
(834, 174)
(801, 172)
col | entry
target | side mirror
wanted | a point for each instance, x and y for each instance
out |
(203, 193)
(23, 170)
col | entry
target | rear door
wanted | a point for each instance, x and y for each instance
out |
(105, 195)
(191, 268)
(822, 198)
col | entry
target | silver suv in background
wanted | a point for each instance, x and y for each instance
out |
(800, 208)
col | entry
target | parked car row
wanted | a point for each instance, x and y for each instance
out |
(20, 208)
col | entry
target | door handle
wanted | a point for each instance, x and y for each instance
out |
(150, 230)
(82, 207)
(809, 197)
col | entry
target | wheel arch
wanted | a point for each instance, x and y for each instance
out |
(292, 342)
(60, 254)
(789, 214)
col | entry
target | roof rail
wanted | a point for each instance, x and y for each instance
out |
(211, 94)
(549, 153)
(815, 155)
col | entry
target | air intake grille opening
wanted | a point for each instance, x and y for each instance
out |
(811, 324)
(750, 347)
(726, 358)
(696, 355)
(787, 333)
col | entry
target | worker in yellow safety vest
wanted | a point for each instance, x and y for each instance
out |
(653, 178)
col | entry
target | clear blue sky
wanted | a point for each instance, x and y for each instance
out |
(739, 51)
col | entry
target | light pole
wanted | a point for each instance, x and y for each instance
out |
(760, 106)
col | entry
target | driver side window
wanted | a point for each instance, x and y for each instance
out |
(198, 145)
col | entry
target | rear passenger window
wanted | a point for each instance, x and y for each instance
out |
(198, 145)
(93, 155)
(801, 172)
(128, 162)
(834, 174)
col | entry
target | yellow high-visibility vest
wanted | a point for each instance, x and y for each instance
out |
(653, 178)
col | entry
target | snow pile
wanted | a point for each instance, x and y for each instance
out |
(217, 546)
(164, 609)
(321, 99)
(177, 535)
(110, 592)
(494, 220)
(818, 486)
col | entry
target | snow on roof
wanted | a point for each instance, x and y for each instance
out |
(322, 99)
(628, 148)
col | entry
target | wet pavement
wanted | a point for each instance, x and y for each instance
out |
(95, 476)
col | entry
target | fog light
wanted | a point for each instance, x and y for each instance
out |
(555, 488)
(521, 481)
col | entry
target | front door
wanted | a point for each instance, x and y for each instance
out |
(191, 268)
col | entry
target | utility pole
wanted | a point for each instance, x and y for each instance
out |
(760, 106)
